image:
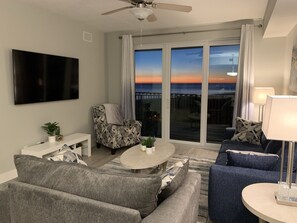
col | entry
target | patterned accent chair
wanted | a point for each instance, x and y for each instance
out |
(114, 136)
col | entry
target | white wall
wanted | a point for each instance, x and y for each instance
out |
(27, 28)
(288, 56)
(269, 62)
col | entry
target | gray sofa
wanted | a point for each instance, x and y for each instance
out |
(49, 192)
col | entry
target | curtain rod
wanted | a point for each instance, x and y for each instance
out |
(187, 32)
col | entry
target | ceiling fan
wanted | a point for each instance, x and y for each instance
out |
(142, 9)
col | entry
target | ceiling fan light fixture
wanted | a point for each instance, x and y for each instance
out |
(141, 13)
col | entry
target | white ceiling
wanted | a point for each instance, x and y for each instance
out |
(205, 12)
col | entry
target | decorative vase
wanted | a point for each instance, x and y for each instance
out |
(51, 139)
(149, 150)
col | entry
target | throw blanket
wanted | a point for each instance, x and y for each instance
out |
(113, 114)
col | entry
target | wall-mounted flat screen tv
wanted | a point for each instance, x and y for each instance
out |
(41, 77)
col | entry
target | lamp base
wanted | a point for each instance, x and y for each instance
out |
(286, 195)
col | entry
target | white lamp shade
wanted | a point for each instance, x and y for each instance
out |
(260, 94)
(280, 118)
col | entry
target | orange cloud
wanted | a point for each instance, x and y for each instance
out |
(148, 79)
(184, 79)
(219, 78)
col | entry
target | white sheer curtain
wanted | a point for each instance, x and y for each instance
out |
(245, 80)
(128, 84)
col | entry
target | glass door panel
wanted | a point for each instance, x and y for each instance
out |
(223, 66)
(148, 91)
(185, 93)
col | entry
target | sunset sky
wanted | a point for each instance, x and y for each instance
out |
(186, 65)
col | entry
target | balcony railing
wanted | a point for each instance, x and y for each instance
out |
(187, 106)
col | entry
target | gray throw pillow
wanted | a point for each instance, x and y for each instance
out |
(179, 175)
(136, 192)
(254, 160)
(247, 131)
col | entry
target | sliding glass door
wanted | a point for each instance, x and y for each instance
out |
(186, 93)
(148, 91)
(223, 65)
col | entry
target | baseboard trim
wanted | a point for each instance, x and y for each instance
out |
(9, 175)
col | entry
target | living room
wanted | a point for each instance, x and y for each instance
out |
(26, 26)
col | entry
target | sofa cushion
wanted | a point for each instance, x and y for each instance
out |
(248, 159)
(136, 192)
(243, 146)
(235, 145)
(247, 131)
(172, 178)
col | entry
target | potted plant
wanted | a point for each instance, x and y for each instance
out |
(143, 144)
(150, 141)
(52, 129)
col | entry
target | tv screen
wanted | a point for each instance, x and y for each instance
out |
(41, 77)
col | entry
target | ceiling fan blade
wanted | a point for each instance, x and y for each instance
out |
(175, 7)
(152, 18)
(128, 1)
(117, 10)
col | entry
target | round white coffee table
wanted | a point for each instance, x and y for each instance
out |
(137, 160)
(259, 199)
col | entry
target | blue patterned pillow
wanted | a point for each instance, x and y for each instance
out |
(255, 160)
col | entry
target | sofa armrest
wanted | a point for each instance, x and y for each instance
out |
(4, 203)
(57, 206)
(228, 133)
(224, 193)
(180, 207)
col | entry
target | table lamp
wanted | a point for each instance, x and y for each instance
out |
(259, 98)
(280, 123)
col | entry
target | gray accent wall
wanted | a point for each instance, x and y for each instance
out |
(25, 27)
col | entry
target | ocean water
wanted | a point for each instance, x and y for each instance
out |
(215, 88)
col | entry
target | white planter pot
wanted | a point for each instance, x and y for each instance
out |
(51, 139)
(142, 148)
(149, 150)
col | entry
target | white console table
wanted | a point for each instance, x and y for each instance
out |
(46, 148)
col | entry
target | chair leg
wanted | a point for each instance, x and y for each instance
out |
(113, 151)
(98, 145)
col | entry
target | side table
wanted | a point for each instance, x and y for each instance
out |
(46, 148)
(259, 199)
